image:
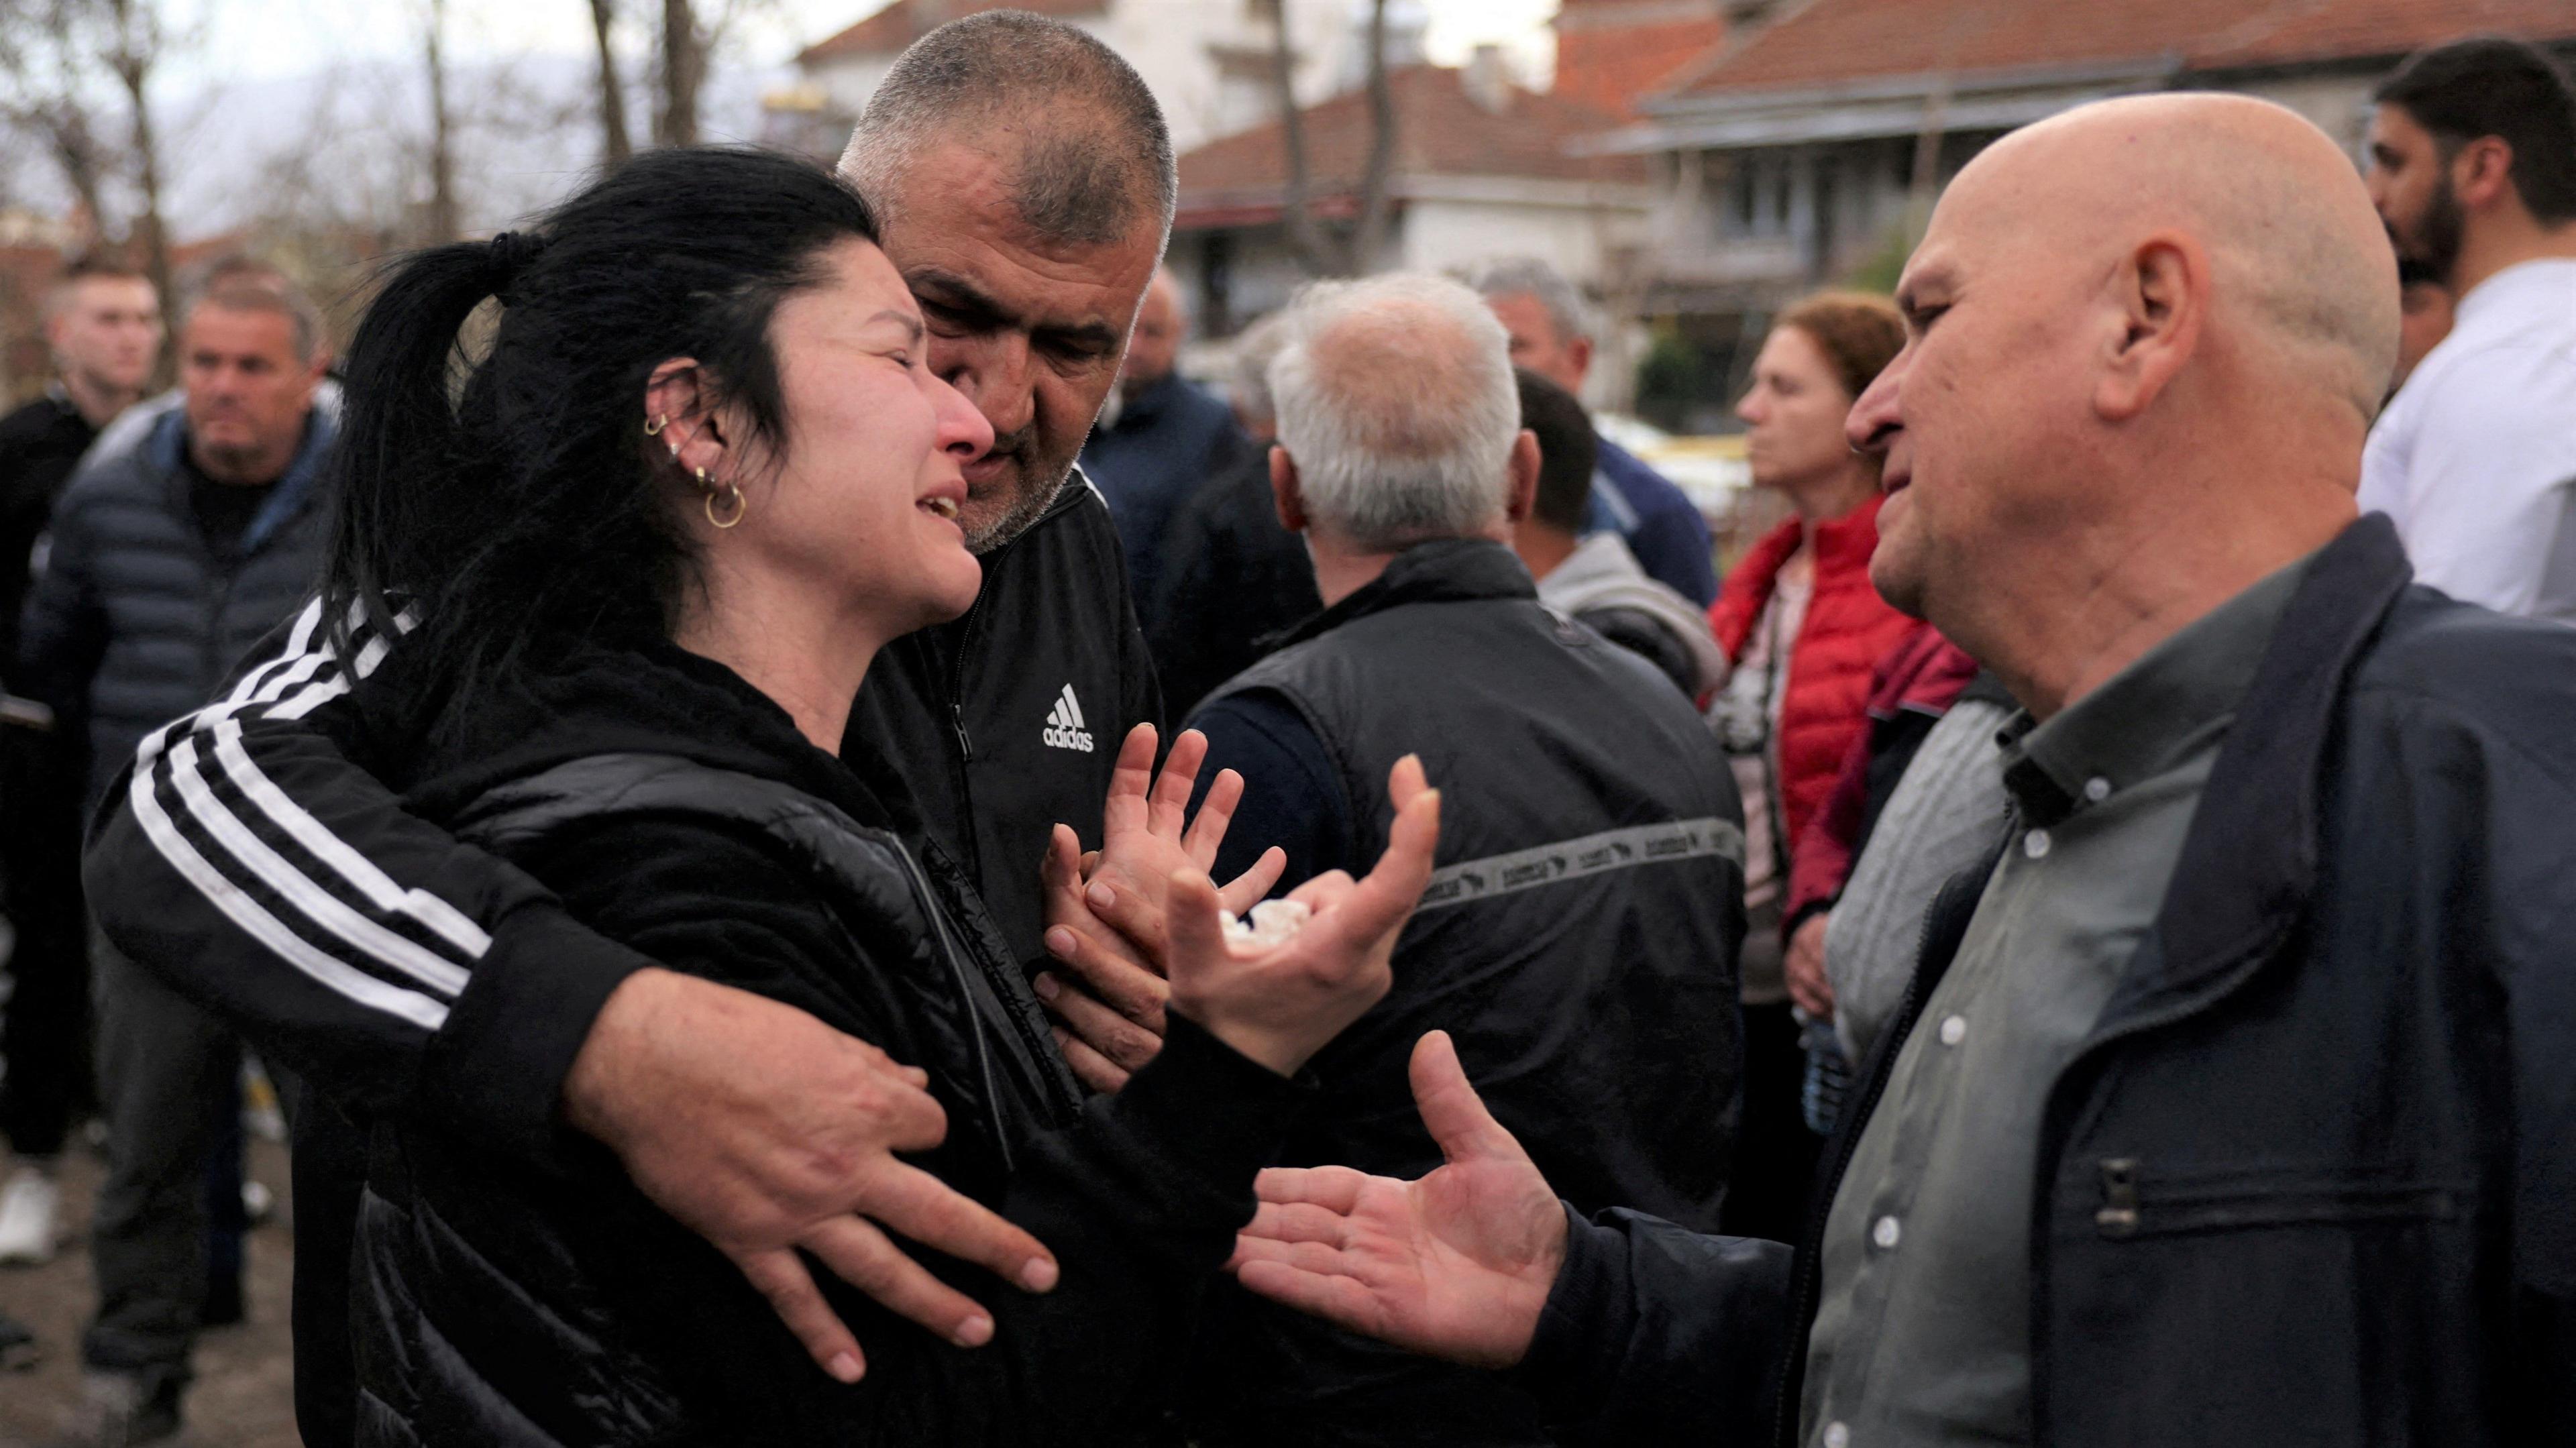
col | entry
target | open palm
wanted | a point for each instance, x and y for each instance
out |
(1456, 1265)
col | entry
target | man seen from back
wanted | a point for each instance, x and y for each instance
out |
(1580, 936)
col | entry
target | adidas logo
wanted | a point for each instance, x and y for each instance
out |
(1064, 724)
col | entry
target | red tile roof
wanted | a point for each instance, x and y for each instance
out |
(1612, 68)
(1829, 42)
(1440, 131)
(901, 23)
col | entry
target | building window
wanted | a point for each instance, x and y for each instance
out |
(1757, 197)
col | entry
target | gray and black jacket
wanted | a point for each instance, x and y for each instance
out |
(134, 619)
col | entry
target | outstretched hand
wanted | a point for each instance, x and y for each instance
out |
(1279, 1004)
(1457, 1265)
(1109, 1013)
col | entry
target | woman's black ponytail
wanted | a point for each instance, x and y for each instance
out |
(401, 445)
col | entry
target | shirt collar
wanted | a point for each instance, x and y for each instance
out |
(2522, 288)
(2150, 714)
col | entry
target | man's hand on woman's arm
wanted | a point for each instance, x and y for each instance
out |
(797, 1152)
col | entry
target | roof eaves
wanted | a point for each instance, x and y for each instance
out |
(1991, 101)
(1923, 83)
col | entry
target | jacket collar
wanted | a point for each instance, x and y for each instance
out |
(167, 448)
(1843, 547)
(2249, 861)
(1447, 570)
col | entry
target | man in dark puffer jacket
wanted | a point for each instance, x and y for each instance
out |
(164, 565)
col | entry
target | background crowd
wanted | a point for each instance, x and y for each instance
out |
(1694, 822)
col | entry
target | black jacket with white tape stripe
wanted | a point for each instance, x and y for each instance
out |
(1578, 943)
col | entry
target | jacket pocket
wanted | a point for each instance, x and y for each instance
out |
(2135, 1199)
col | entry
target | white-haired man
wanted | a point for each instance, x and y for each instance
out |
(1551, 332)
(1580, 937)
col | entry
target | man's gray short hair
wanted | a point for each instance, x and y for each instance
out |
(246, 284)
(1090, 146)
(1397, 404)
(1527, 276)
(1248, 385)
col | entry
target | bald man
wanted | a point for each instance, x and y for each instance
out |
(2235, 1101)
(1166, 439)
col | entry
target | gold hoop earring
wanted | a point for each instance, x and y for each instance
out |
(659, 422)
(729, 492)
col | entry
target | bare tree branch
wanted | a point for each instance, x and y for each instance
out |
(684, 70)
(615, 142)
(1305, 237)
(135, 42)
(442, 224)
(1374, 200)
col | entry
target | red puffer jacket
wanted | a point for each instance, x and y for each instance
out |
(1848, 629)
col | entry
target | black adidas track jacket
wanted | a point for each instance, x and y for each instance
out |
(265, 872)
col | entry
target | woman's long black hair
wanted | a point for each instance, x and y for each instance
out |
(495, 500)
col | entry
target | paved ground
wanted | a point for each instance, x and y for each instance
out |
(244, 1397)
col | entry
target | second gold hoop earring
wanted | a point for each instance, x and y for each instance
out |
(730, 494)
(655, 427)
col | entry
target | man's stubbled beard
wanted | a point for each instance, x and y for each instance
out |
(1022, 447)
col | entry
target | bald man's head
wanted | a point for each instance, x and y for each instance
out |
(1154, 343)
(2113, 302)
(2298, 257)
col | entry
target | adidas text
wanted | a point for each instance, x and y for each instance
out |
(1065, 724)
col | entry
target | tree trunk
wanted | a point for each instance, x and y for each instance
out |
(1305, 237)
(442, 225)
(76, 153)
(136, 40)
(1375, 203)
(684, 60)
(615, 144)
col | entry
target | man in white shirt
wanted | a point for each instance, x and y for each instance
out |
(2473, 167)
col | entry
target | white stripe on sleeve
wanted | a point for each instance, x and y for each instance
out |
(298, 888)
(410, 1005)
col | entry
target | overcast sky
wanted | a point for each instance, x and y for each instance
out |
(263, 39)
(334, 81)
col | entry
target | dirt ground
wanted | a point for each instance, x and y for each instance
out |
(244, 1394)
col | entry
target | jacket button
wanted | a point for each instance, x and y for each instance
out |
(1837, 1435)
(1954, 1029)
(1885, 1233)
(2035, 844)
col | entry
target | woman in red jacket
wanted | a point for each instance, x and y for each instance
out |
(1803, 633)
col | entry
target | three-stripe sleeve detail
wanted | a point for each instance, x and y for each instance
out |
(274, 869)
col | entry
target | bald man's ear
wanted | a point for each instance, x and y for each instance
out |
(1284, 490)
(2162, 294)
(1524, 477)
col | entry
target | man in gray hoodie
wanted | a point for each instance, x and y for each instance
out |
(1596, 578)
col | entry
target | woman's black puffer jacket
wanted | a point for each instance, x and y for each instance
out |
(677, 810)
